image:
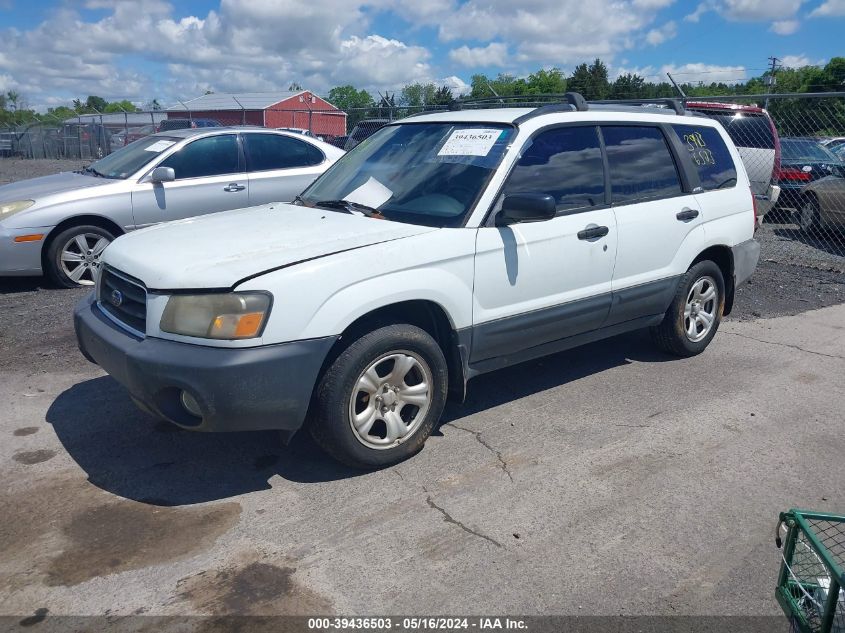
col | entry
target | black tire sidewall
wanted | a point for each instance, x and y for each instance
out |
(54, 252)
(330, 425)
(701, 269)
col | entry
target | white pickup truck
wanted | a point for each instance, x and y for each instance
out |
(444, 246)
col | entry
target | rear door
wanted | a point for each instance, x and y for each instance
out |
(209, 178)
(655, 212)
(280, 167)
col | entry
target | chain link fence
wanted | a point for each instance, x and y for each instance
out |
(792, 146)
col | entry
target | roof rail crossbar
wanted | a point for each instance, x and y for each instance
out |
(574, 101)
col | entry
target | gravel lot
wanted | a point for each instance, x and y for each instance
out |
(604, 480)
(12, 169)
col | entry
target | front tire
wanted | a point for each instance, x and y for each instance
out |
(695, 313)
(379, 400)
(73, 256)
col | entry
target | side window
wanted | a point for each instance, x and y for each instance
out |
(565, 163)
(641, 164)
(709, 154)
(274, 151)
(210, 156)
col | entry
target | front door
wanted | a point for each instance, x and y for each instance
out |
(209, 178)
(544, 281)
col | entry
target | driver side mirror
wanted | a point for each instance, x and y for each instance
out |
(162, 174)
(526, 207)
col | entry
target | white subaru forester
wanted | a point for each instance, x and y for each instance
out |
(444, 246)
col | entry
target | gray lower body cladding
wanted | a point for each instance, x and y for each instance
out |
(237, 389)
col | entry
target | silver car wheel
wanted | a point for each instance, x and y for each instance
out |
(807, 218)
(390, 399)
(80, 257)
(700, 308)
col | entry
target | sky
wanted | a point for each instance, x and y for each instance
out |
(52, 51)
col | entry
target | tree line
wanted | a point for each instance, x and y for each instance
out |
(591, 80)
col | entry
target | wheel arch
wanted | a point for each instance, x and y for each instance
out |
(425, 314)
(79, 220)
(722, 256)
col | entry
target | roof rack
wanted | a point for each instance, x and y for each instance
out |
(674, 104)
(562, 103)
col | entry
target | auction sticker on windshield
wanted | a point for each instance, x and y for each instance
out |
(159, 146)
(472, 142)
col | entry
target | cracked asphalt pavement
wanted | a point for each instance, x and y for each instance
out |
(604, 480)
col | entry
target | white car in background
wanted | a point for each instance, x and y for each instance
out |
(60, 224)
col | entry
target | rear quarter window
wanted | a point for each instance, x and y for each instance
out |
(709, 155)
(745, 130)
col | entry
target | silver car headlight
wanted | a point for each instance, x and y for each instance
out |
(229, 316)
(10, 208)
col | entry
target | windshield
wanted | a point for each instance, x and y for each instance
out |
(419, 173)
(128, 160)
(804, 150)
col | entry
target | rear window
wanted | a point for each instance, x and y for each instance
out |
(709, 154)
(805, 150)
(745, 130)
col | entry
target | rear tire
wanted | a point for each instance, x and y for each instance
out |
(379, 400)
(808, 215)
(73, 256)
(695, 313)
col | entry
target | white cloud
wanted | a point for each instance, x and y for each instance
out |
(829, 8)
(494, 54)
(457, 85)
(795, 61)
(243, 45)
(758, 10)
(659, 35)
(705, 73)
(700, 10)
(785, 27)
(556, 31)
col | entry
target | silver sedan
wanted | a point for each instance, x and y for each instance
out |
(59, 225)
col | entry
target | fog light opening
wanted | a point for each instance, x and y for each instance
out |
(190, 404)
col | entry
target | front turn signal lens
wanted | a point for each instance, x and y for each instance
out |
(35, 237)
(229, 316)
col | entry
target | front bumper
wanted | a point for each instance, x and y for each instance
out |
(237, 389)
(745, 256)
(21, 258)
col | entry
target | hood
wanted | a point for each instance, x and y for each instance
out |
(221, 249)
(36, 188)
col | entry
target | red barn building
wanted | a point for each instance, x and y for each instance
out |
(299, 109)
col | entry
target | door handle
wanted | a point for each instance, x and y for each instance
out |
(593, 232)
(686, 214)
(234, 187)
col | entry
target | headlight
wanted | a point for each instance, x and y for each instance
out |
(235, 315)
(10, 208)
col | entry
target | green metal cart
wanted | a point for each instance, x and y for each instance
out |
(811, 580)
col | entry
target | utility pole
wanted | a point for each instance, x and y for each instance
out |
(772, 80)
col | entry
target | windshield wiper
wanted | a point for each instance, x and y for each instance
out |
(91, 170)
(349, 207)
